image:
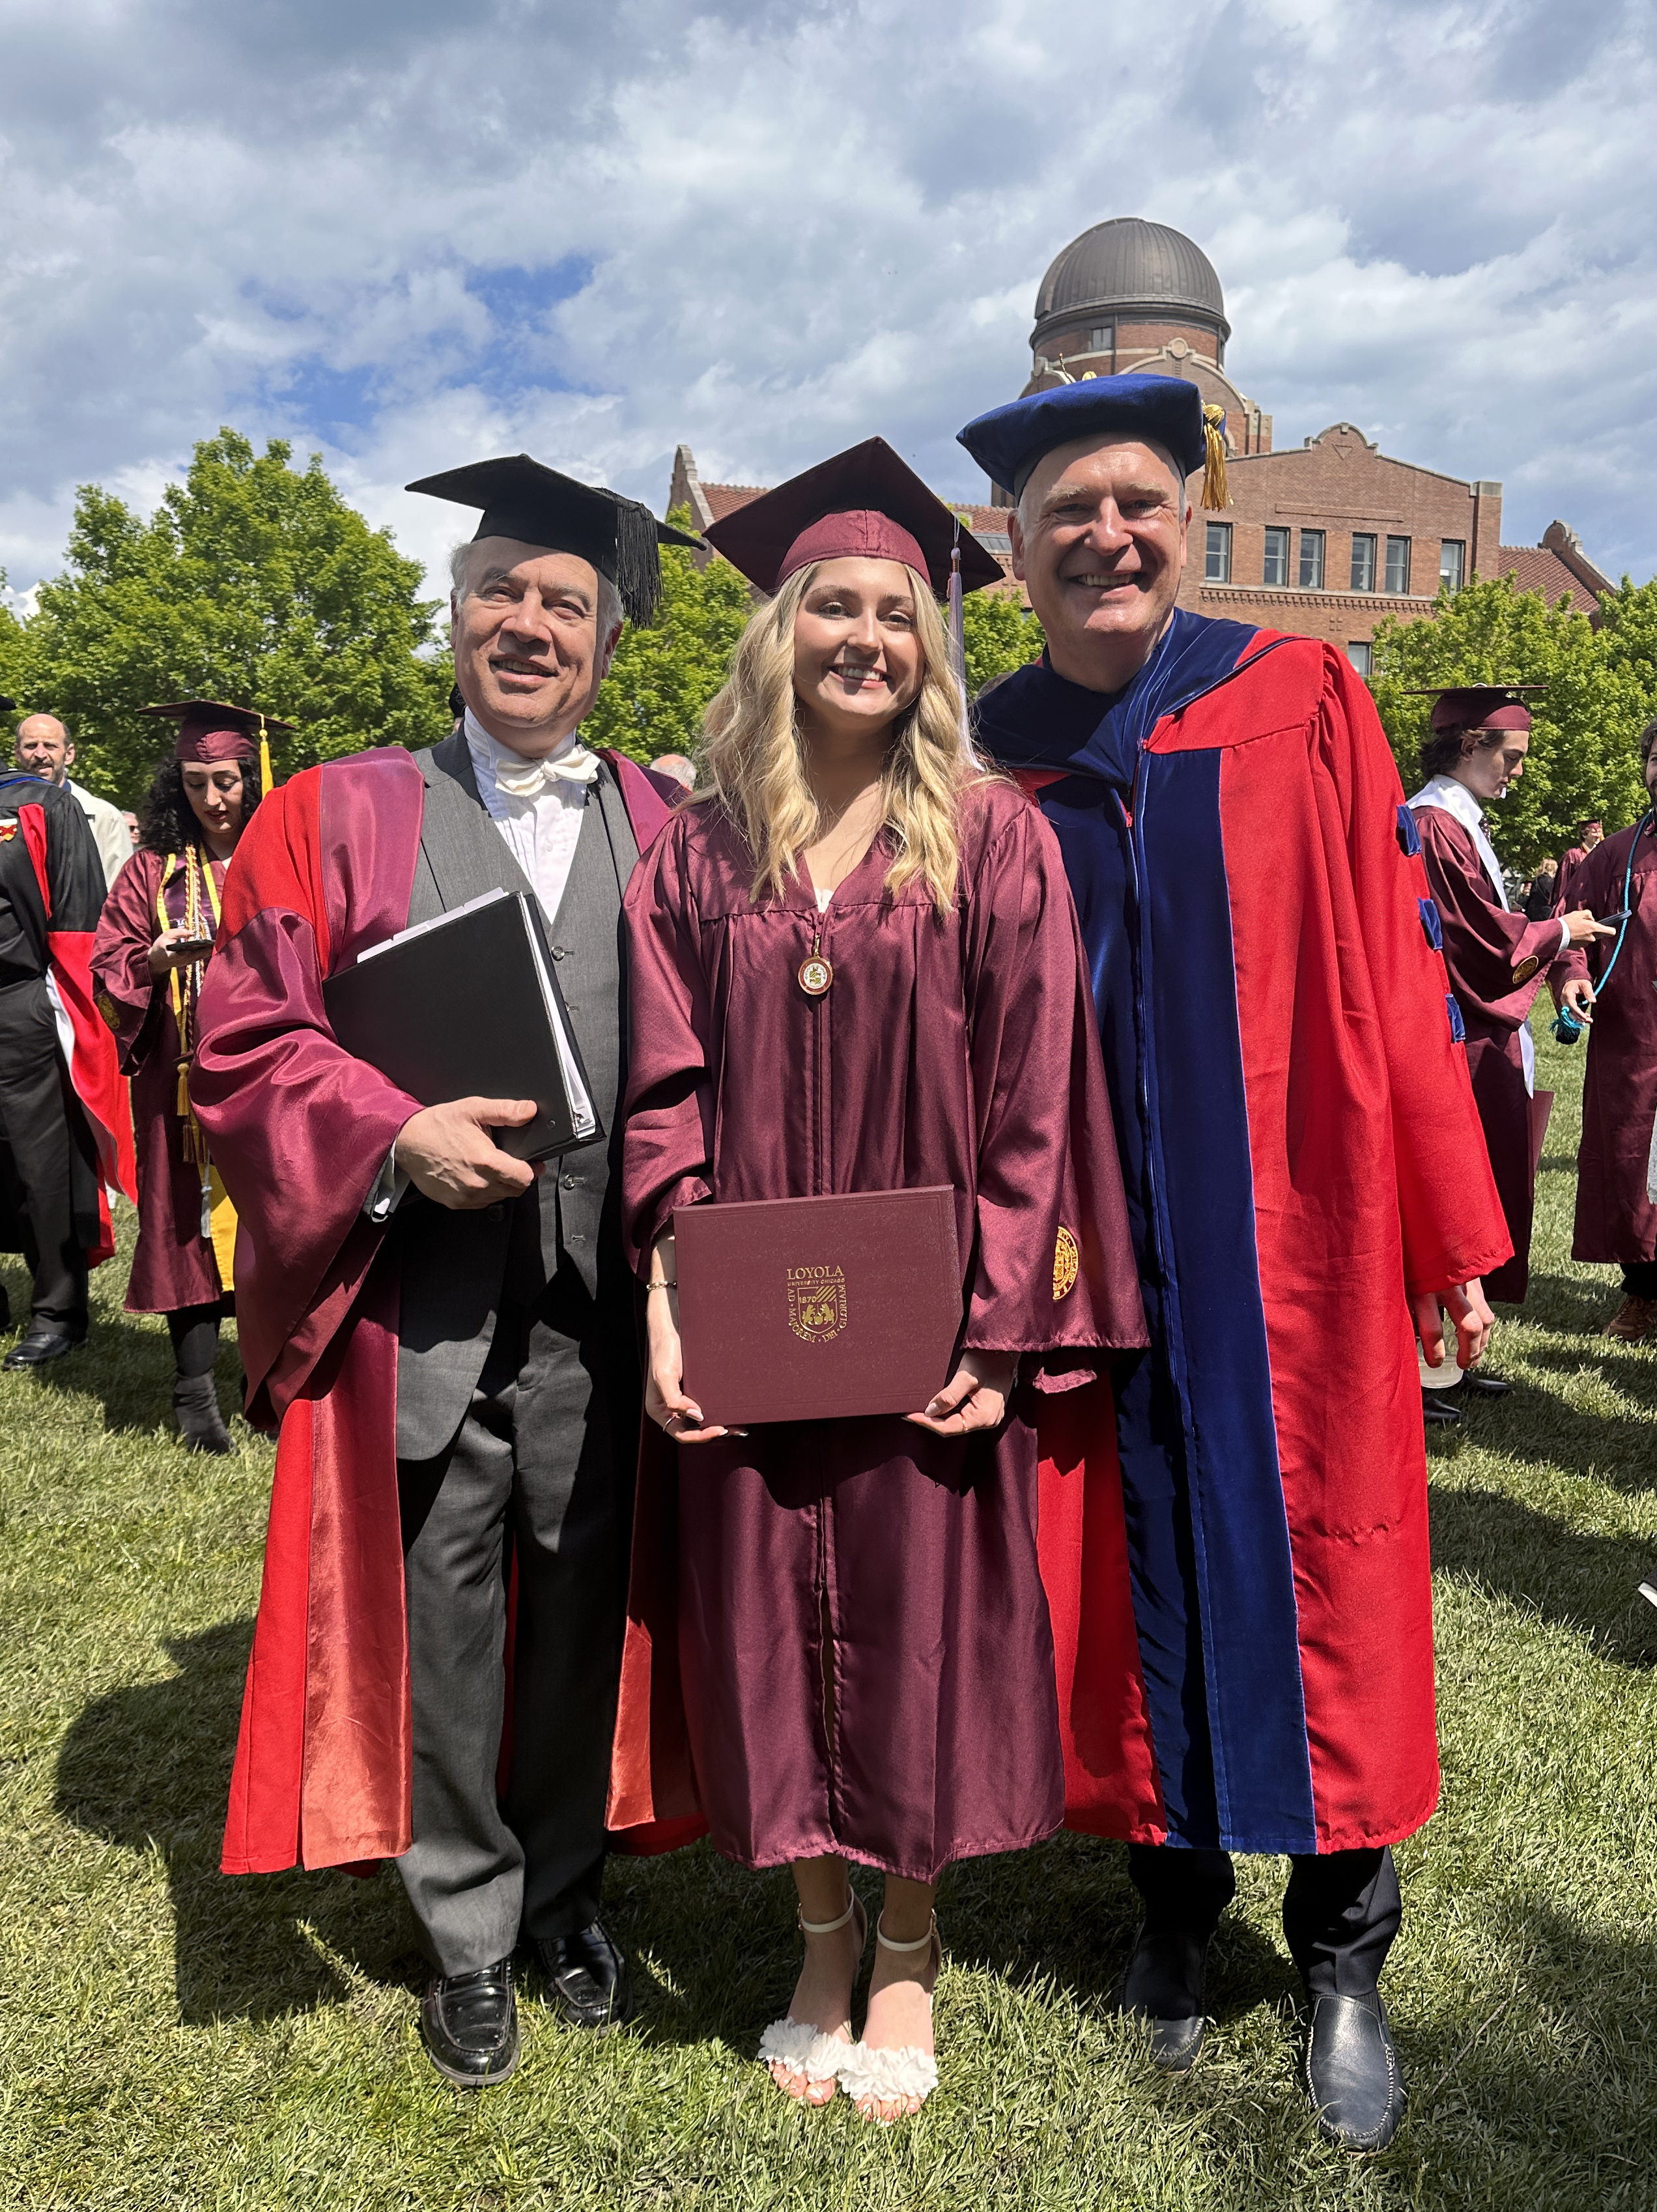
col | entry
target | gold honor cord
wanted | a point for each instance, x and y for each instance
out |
(201, 901)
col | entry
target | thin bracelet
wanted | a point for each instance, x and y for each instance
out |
(662, 1286)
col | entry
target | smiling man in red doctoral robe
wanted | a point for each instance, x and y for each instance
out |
(1303, 1166)
(449, 1344)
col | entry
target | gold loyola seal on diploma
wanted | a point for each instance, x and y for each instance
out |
(1066, 1263)
(816, 1303)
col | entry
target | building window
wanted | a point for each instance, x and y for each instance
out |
(1397, 566)
(1102, 339)
(1275, 570)
(1217, 556)
(1363, 564)
(1360, 654)
(1311, 577)
(1452, 563)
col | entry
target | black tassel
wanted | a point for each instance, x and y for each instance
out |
(638, 563)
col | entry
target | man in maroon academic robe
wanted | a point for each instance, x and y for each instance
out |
(1303, 1171)
(1476, 749)
(65, 1131)
(1608, 985)
(448, 1342)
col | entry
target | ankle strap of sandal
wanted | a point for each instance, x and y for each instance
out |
(828, 1927)
(920, 1943)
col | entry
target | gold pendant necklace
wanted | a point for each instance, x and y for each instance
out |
(815, 974)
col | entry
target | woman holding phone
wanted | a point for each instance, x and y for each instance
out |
(148, 961)
(855, 966)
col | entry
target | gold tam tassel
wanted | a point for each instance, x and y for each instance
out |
(1214, 491)
(266, 779)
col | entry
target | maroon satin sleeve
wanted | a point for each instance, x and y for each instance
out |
(1493, 955)
(120, 959)
(1054, 1271)
(668, 1144)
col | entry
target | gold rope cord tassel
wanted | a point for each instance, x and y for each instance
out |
(1215, 492)
(266, 779)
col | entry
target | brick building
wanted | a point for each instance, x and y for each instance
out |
(1324, 537)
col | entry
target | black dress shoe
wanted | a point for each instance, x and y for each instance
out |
(1438, 1413)
(1161, 1985)
(1485, 1385)
(587, 1979)
(469, 2024)
(41, 1342)
(1351, 2072)
(196, 1408)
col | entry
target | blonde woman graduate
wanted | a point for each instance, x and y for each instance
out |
(148, 959)
(855, 966)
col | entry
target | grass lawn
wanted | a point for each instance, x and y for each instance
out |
(168, 2038)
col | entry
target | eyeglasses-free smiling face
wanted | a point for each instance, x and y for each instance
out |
(528, 657)
(858, 659)
(1099, 538)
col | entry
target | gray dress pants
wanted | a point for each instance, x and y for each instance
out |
(541, 1474)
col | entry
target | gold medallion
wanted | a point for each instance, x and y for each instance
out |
(815, 975)
(1066, 1264)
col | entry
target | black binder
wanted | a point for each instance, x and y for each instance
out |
(466, 1005)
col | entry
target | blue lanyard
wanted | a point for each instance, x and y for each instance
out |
(1628, 885)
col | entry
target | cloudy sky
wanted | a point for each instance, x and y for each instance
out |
(410, 235)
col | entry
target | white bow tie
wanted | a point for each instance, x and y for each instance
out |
(529, 779)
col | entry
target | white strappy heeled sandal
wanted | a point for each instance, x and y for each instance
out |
(892, 2077)
(811, 2054)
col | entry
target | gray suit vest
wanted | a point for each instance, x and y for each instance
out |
(458, 1267)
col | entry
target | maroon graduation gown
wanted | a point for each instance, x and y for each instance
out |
(866, 1662)
(1615, 1220)
(1496, 959)
(298, 1131)
(174, 1264)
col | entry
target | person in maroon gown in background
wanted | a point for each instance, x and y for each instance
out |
(1608, 985)
(1567, 891)
(1479, 736)
(148, 960)
(856, 966)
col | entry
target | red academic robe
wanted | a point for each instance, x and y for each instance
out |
(299, 1130)
(174, 1265)
(1496, 959)
(900, 1567)
(1615, 1220)
(60, 918)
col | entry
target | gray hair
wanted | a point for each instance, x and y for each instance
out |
(610, 600)
(1022, 506)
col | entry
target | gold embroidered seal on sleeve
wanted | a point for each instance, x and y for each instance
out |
(1066, 1264)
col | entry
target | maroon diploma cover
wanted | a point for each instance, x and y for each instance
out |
(806, 1309)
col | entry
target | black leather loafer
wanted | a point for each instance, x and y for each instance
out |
(587, 1979)
(469, 2024)
(1485, 1385)
(1352, 2074)
(1161, 1986)
(38, 1344)
(1438, 1413)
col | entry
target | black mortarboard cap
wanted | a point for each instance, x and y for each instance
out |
(523, 499)
(867, 502)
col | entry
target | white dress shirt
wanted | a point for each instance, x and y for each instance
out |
(540, 826)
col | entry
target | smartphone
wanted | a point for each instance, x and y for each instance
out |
(1611, 920)
(197, 947)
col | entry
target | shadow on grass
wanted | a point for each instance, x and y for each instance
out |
(1568, 1303)
(149, 1768)
(1585, 1583)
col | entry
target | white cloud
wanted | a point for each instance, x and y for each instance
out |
(410, 234)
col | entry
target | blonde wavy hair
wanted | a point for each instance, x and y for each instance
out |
(753, 753)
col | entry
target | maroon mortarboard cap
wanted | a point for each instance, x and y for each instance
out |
(522, 498)
(866, 503)
(1479, 706)
(211, 730)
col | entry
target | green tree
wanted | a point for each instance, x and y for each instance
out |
(252, 582)
(665, 671)
(1582, 763)
(1628, 641)
(1000, 635)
